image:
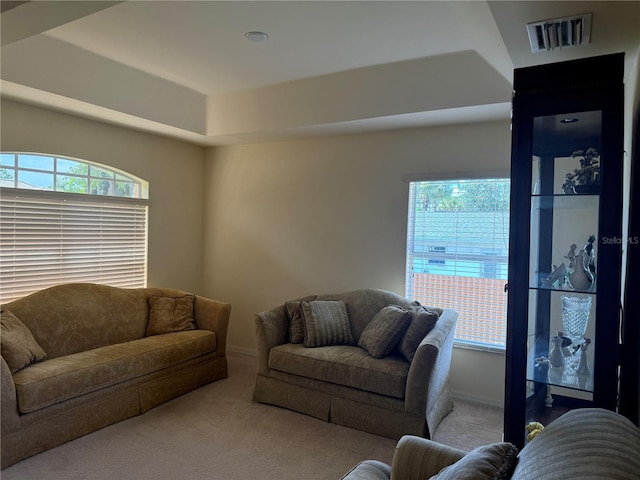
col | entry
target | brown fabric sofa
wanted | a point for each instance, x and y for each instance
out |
(104, 360)
(345, 384)
(585, 444)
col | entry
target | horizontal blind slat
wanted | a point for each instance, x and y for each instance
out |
(47, 242)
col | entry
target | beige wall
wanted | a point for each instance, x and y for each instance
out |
(629, 114)
(286, 219)
(173, 169)
(632, 156)
(631, 119)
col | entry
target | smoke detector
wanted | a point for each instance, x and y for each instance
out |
(559, 33)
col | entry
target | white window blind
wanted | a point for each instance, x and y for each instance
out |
(47, 238)
(457, 254)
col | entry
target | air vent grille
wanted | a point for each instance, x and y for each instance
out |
(559, 33)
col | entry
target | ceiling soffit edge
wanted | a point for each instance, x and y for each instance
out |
(400, 88)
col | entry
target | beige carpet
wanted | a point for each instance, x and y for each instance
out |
(218, 433)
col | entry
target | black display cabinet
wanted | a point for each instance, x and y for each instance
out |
(565, 242)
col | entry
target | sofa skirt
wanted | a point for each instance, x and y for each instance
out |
(348, 412)
(52, 426)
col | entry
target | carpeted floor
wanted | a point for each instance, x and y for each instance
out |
(218, 433)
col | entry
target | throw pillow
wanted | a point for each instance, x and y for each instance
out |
(326, 323)
(296, 318)
(296, 321)
(383, 332)
(170, 314)
(19, 348)
(422, 323)
(490, 462)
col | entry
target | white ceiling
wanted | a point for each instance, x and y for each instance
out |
(185, 69)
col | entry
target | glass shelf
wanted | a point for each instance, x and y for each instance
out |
(572, 195)
(566, 289)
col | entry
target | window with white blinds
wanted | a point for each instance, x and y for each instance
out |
(457, 254)
(53, 237)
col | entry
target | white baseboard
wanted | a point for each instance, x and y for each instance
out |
(241, 350)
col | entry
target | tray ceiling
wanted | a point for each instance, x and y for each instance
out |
(186, 69)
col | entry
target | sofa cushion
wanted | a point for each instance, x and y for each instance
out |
(170, 314)
(422, 323)
(346, 365)
(586, 443)
(62, 378)
(383, 333)
(491, 462)
(326, 323)
(19, 348)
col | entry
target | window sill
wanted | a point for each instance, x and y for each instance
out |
(480, 347)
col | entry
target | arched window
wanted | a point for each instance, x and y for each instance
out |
(67, 220)
(52, 173)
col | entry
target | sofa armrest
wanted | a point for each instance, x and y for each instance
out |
(369, 470)
(429, 371)
(417, 458)
(214, 316)
(272, 329)
(8, 400)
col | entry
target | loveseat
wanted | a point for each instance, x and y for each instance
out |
(368, 359)
(585, 444)
(79, 357)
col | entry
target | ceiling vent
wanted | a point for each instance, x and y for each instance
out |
(561, 32)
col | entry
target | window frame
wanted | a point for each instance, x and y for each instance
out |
(409, 287)
(117, 175)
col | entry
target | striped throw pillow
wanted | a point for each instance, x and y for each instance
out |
(326, 323)
(384, 331)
